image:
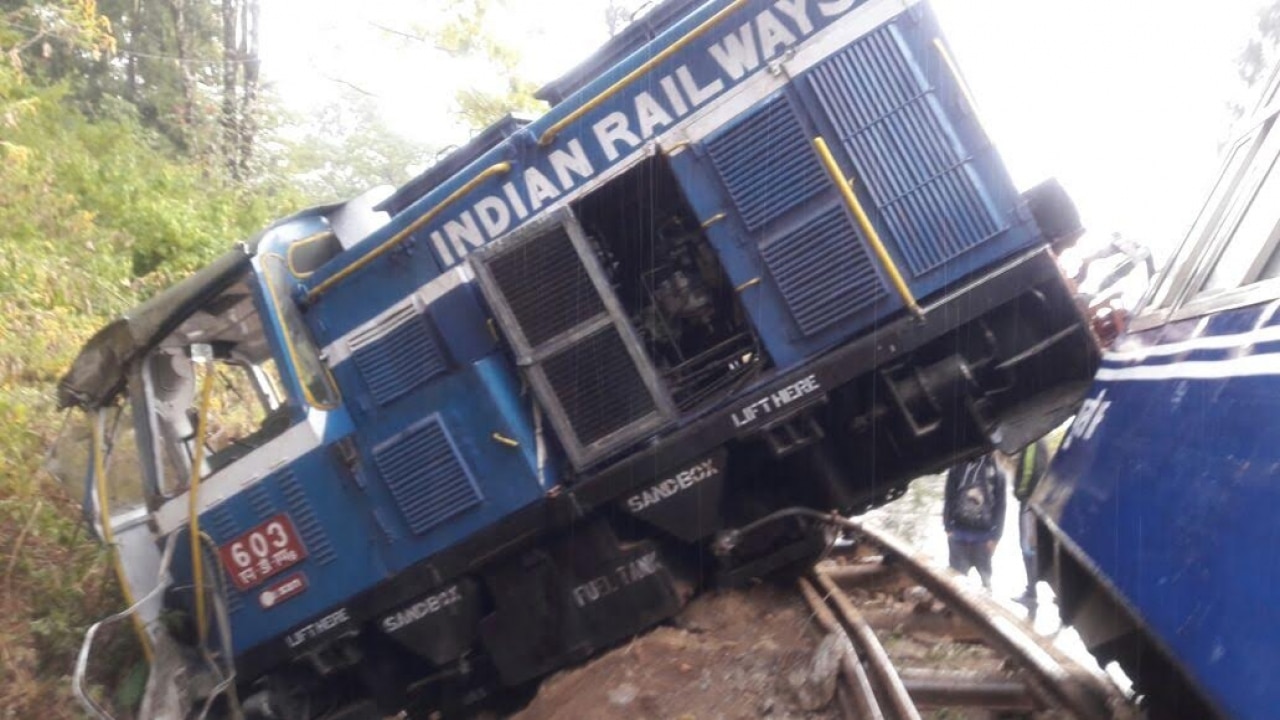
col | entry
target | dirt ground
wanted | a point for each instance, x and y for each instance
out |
(725, 657)
(757, 653)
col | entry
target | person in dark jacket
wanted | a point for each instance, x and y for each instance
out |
(973, 514)
(1029, 467)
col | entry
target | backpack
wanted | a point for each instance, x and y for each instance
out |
(975, 499)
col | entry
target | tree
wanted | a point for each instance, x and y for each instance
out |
(345, 148)
(469, 36)
(1259, 53)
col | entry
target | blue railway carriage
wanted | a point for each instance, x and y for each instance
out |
(409, 450)
(1157, 512)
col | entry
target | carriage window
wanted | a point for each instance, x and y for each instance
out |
(1253, 240)
(1211, 214)
(1253, 233)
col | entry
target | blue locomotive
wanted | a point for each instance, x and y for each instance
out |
(400, 452)
(1155, 518)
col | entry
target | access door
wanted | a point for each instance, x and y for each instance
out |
(555, 303)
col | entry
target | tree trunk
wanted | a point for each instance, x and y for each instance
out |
(186, 119)
(248, 102)
(230, 83)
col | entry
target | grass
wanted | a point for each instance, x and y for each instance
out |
(54, 576)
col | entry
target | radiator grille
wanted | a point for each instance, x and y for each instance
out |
(426, 477)
(823, 271)
(904, 149)
(397, 355)
(222, 527)
(546, 286)
(766, 163)
(319, 549)
(598, 386)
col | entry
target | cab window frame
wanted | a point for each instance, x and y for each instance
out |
(300, 345)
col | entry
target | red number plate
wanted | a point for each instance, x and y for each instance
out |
(266, 550)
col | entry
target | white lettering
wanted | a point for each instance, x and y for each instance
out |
(737, 54)
(514, 198)
(446, 257)
(1092, 412)
(317, 628)
(650, 114)
(774, 36)
(782, 396)
(795, 9)
(673, 485)
(421, 609)
(494, 215)
(673, 95)
(570, 161)
(612, 129)
(628, 573)
(462, 232)
(697, 95)
(539, 187)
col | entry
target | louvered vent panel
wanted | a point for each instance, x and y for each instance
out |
(823, 271)
(235, 598)
(222, 528)
(766, 163)
(904, 151)
(546, 286)
(426, 477)
(598, 385)
(260, 501)
(397, 355)
(319, 549)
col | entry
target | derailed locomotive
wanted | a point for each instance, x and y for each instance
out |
(401, 452)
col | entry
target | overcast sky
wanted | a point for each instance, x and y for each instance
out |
(1123, 100)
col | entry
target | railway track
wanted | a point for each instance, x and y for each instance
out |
(917, 643)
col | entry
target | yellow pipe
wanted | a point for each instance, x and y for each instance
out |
(193, 500)
(613, 89)
(498, 169)
(299, 243)
(868, 231)
(290, 349)
(109, 535)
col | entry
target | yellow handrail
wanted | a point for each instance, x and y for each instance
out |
(498, 169)
(613, 89)
(290, 347)
(323, 234)
(868, 230)
(193, 500)
(108, 532)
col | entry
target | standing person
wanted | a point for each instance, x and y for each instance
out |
(973, 514)
(1029, 467)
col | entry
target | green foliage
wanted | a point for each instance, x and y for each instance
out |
(97, 211)
(467, 36)
(346, 148)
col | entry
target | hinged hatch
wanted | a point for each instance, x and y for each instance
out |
(556, 305)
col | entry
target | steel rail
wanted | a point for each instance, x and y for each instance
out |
(1053, 678)
(883, 668)
(854, 674)
(1071, 691)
